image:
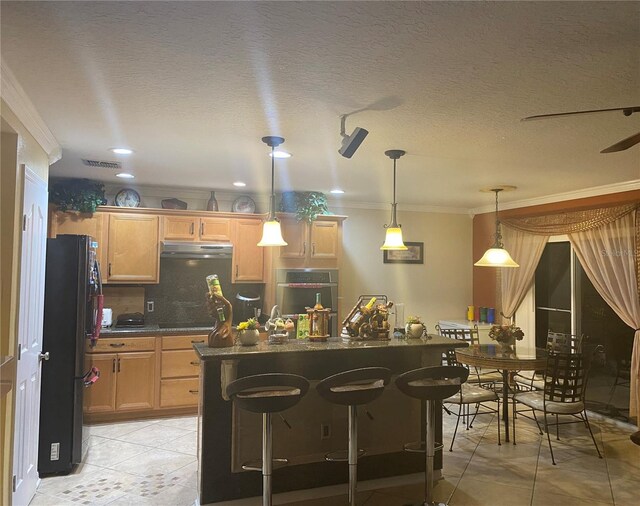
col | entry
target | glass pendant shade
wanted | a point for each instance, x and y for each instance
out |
(393, 239)
(496, 257)
(272, 234)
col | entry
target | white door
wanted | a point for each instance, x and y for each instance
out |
(30, 321)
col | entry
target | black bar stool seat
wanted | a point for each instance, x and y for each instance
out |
(267, 394)
(431, 384)
(354, 388)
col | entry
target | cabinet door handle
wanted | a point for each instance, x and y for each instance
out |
(116, 345)
(193, 392)
(118, 364)
(197, 342)
(236, 271)
(313, 248)
(202, 228)
(193, 228)
(109, 270)
(195, 362)
(304, 248)
(114, 365)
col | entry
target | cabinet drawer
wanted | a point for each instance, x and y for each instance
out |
(182, 342)
(177, 363)
(114, 344)
(179, 392)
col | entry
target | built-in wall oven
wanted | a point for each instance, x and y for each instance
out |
(296, 290)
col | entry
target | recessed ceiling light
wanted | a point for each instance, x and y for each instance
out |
(121, 151)
(239, 184)
(280, 154)
(125, 175)
(337, 191)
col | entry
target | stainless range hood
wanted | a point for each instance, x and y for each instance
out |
(196, 250)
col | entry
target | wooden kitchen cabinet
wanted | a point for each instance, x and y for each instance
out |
(74, 223)
(295, 234)
(100, 397)
(179, 371)
(248, 257)
(193, 228)
(317, 240)
(133, 255)
(135, 380)
(323, 236)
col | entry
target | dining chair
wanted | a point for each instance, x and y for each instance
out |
(471, 336)
(468, 395)
(564, 383)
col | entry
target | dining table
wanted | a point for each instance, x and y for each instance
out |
(506, 359)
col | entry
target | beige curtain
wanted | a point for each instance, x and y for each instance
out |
(608, 255)
(526, 249)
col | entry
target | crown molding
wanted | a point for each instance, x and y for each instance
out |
(415, 208)
(561, 197)
(15, 97)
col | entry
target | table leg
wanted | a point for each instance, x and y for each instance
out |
(505, 403)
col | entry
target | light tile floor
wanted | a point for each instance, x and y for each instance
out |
(153, 462)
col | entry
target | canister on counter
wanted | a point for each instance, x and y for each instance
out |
(476, 314)
(491, 315)
(470, 313)
(483, 314)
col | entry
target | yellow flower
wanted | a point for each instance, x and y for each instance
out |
(243, 325)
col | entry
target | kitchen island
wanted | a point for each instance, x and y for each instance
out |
(228, 437)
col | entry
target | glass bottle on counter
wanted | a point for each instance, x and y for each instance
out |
(357, 316)
(318, 302)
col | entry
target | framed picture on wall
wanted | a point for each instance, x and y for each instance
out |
(414, 254)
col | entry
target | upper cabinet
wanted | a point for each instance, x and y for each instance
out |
(132, 251)
(310, 244)
(193, 228)
(95, 225)
(248, 257)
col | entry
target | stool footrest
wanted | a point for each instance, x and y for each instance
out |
(419, 447)
(342, 455)
(256, 465)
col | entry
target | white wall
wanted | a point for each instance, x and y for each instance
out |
(441, 288)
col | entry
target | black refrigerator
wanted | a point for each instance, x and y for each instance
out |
(72, 317)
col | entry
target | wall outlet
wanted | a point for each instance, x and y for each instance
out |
(150, 306)
(325, 431)
(54, 454)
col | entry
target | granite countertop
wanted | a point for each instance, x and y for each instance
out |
(151, 330)
(333, 344)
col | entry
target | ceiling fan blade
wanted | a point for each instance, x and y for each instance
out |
(623, 144)
(627, 112)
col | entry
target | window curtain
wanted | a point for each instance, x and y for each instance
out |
(608, 256)
(526, 249)
(607, 242)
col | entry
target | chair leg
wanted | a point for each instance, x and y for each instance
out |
(474, 415)
(557, 428)
(513, 419)
(498, 413)
(546, 429)
(590, 432)
(455, 431)
(430, 450)
(353, 454)
(536, 419)
(267, 463)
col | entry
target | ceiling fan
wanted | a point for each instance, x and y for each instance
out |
(618, 146)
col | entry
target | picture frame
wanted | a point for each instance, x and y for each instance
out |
(414, 254)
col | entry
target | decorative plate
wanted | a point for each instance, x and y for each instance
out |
(127, 198)
(243, 204)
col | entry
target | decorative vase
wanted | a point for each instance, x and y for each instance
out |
(248, 337)
(507, 346)
(212, 205)
(414, 330)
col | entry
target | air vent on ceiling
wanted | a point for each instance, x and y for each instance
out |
(101, 164)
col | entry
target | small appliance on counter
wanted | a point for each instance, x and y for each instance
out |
(246, 306)
(107, 317)
(129, 320)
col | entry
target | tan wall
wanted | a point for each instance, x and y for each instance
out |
(484, 279)
(438, 289)
(16, 150)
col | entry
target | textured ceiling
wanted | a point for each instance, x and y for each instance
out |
(192, 87)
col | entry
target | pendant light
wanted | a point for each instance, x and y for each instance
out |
(496, 255)
(393, 239)
(271, 232)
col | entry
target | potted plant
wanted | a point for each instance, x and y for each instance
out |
(506, 335)
(81, 195)
(414, 327)
(248, 333)
(306, 205)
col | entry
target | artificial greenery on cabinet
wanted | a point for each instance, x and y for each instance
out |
(306, 205)
(81, 195)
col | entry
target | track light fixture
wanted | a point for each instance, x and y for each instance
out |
(350, 143)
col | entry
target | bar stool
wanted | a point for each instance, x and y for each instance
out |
(353, 388)
(266, 394)
(431, 384)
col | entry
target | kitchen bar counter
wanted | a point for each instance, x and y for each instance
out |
(227, 437)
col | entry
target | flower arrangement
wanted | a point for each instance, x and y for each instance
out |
(413, 319)
(250, 324)
(506, 333)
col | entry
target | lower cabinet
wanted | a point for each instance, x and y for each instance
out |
(179, 371)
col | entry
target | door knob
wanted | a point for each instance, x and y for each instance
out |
(43, 356)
